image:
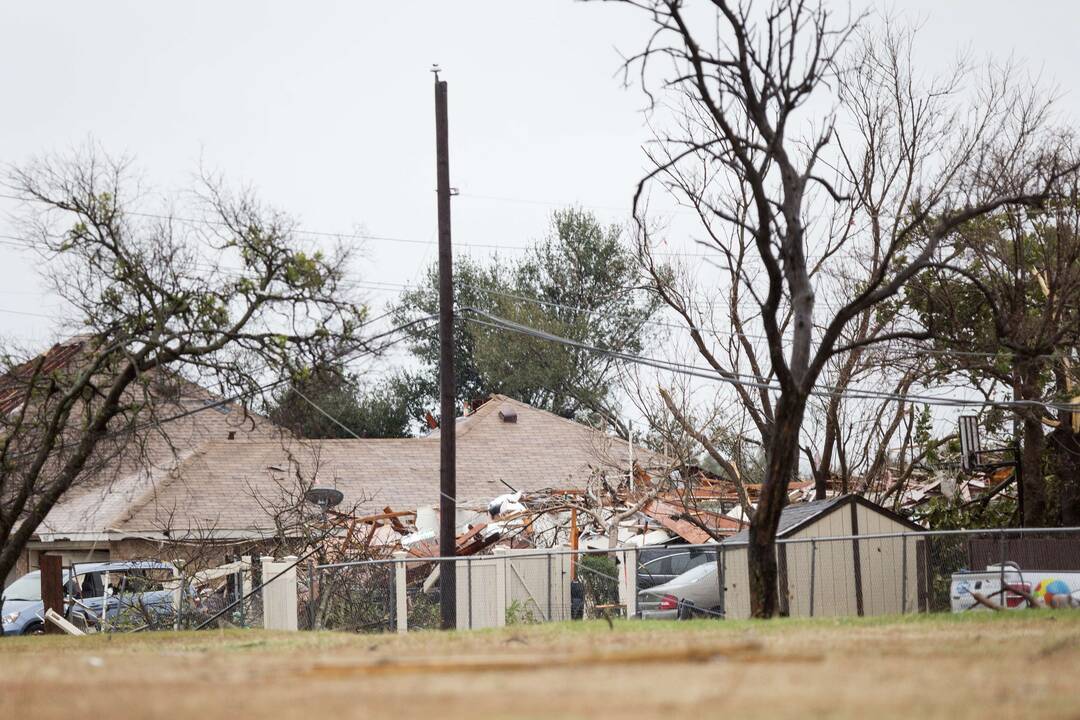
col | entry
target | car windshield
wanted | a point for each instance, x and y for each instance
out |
(28, 587)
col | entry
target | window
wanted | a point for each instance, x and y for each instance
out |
(91, 585)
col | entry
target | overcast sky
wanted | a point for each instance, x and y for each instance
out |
(326, 108)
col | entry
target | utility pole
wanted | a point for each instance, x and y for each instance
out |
(447, 390)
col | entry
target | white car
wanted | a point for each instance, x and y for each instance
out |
(695, 593)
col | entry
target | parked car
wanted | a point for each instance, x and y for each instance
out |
(128, 591)
(659, 565)
(694, 593)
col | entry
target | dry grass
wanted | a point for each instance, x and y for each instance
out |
(979, 665)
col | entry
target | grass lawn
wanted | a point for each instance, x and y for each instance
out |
(977, 665)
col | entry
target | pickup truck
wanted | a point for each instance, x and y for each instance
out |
(1046, 587)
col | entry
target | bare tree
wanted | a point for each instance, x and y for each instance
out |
(233, 299)
(788, 115)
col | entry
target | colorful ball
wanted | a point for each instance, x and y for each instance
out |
(1052, 592)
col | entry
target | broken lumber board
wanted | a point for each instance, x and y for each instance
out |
(59, 621)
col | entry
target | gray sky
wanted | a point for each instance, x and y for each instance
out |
(326, 108)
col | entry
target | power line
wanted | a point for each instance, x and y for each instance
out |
(345, 355)
(384, 286)
(715, 331)
(350, 235)
(742, 380)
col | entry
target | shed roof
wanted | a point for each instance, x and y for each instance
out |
(799, 515)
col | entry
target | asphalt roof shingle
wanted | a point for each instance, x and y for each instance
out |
(238, 486)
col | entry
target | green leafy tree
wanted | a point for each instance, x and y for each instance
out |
(1005, 309)
(326, 403)
(223, 301)
(580, 282)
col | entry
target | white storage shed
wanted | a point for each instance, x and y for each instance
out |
(826, 569)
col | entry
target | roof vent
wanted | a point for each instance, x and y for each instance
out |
(507, 414)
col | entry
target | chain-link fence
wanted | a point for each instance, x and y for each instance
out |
(816, 577)
(508, 587)
(925, 572)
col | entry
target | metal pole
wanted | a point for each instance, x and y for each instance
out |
(813, 568)
(549, 616)
(447, 389)
(240, 592)
(310, 597)
(722, 577)
(573, 543)
(903, 575)
(1001, 567)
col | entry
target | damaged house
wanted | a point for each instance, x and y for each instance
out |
(235, 485)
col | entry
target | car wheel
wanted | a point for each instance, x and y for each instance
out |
(35, 629)
(686, 609)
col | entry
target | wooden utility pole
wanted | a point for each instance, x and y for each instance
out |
(447, 389)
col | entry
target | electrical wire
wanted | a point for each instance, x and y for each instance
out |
(715, 331)
(738, 379)
(345, 355)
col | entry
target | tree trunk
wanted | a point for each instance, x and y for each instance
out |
(1032, 476)
(1063, 448)
(821, 473)
(782, 465)
(1035, 501)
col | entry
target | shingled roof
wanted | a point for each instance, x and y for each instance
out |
(14, 384)
(97, 502)
(233, 488)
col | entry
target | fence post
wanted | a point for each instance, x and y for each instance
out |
(549, 588)
(401, 600)
(903, 575)
(721, 576)
(178, 594)
(311, 604)
(468, 576)
(52, 587)
(813, 573)
(279, 594)
(240, 589)
(628, 581)
(1001, 566)
(501, 560)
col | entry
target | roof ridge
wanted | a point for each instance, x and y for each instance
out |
(169, 475)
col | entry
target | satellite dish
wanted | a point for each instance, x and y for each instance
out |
(325, 498)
